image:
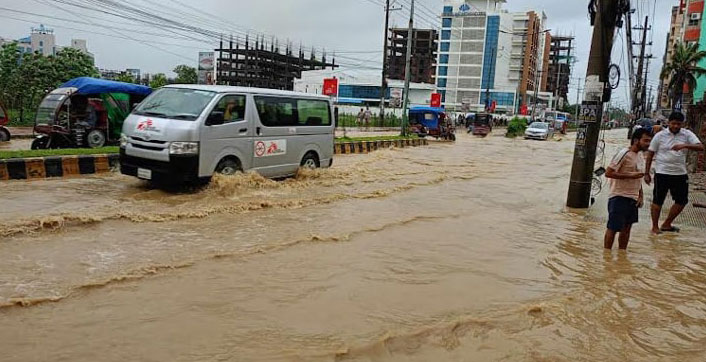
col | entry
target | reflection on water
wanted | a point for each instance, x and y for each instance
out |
(460, 252)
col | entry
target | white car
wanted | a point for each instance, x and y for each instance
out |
(539, 131)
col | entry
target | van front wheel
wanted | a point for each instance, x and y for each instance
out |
(310, 161)
(228, 167)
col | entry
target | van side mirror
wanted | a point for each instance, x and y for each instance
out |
(215, 118)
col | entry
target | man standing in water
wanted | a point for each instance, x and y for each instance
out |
(626, 171)
(669, 149)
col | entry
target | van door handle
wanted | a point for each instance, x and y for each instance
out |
(243, 130)
(258, 130)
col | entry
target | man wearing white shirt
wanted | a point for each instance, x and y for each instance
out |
(669, 149)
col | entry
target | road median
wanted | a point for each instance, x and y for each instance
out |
(41, 164)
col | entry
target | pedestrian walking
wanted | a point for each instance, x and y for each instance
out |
(361, 116)
(625, 172)
(367, 116)
(668, 150)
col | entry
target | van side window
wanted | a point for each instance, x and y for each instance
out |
(313, 113)
(231, 108)
(276, 111)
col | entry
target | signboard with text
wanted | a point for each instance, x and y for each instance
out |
(435, 100)
(330, 87)
(207, 66)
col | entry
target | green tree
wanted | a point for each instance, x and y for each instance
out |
(159, 80)
(26, 78)
(683, 70)
(125, 77)
(186, 74)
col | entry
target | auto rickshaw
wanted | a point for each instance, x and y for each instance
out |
(85, 112)
(431, 121)
(4, 120)
(482, 124)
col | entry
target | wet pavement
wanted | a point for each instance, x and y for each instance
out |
(450, 252)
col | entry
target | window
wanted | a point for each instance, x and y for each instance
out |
(445, 46)
(444, 59)
(448, 9)
(2, 114)
(287, 112)
(445, 34)
(446, 22)
(441, 83)
(41, 43)
(443, 71)
(230, 109)
(313, 113)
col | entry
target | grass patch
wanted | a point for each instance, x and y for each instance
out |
(375, 138)
(58, 152)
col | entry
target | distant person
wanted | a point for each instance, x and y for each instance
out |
(669, 150)
(361, 116)
(625, 172)
(367, 116)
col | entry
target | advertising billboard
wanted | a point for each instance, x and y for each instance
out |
(207, 67)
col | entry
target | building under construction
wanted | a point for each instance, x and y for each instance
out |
(423, 61)
(560, 61)
(261, 65)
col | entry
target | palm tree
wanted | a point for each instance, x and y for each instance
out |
(683, 70)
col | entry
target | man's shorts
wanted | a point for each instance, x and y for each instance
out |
(676, 185)
(622, 212)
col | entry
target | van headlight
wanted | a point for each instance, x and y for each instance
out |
(123, 140)
(183, 148)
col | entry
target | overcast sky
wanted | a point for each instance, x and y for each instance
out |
(352, 28)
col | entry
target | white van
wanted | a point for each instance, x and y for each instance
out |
(186, 133)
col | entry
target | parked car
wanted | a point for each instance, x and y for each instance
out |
(186, 133)
(539, 131)
(4, 120)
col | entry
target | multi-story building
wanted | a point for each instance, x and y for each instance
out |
(43, 40)
(674, 36)
(560, 61)
(487, 54)
(423, 60)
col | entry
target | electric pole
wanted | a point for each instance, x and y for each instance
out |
(383, 87)
(408, 70)
(597, 92)
(637, 105)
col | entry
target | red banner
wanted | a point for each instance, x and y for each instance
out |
(524, 110)
(436, 99)
(330, 87)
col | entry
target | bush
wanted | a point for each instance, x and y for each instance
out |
(516, 127)
(15, 121)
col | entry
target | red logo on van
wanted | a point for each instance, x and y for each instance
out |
(146, 126)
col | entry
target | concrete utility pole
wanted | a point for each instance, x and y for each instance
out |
(383, 87)
(578, 95)
(637, 105)
(596, 94)
(408, 71)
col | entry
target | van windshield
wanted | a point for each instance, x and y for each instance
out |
(175, 103)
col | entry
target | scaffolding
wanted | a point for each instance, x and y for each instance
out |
(423, 61)
(560, 63)
(261, 65)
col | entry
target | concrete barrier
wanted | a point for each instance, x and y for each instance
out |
(345, 148)
(56, 166)
(71, 166)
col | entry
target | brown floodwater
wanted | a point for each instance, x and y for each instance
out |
(459, 252)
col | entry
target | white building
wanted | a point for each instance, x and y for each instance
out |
(485, 52)
(43, 40)
(355, 92)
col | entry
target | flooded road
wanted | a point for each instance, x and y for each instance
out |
(441, 253)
